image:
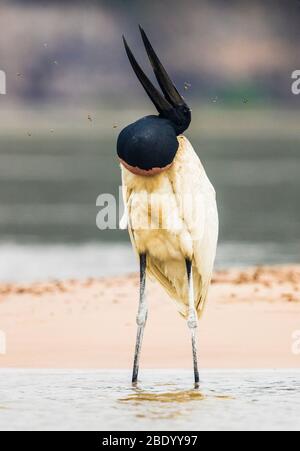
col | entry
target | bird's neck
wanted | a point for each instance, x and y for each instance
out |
(152, 183)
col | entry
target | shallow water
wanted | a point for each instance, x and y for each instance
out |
(59, 261)
(164, 400)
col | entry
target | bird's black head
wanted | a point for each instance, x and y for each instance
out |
(149, 145)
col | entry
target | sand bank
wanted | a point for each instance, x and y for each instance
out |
(250, 318)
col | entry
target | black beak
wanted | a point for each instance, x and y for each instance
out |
(164, 81)
(171, 102)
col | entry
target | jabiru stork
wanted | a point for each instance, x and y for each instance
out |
(170, 204)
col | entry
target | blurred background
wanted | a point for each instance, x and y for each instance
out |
(70, 90)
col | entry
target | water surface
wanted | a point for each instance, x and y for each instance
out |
(164, 400)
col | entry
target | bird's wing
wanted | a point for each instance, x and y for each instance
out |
(165, 269)
(200, 216)
(196, 203)
(156, 268)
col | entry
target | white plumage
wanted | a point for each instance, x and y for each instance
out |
(170, 204)
(172, 216)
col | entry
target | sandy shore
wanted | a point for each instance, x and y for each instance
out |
(250, 318)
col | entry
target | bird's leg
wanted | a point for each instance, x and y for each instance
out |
(192, 319)
(141, 317)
